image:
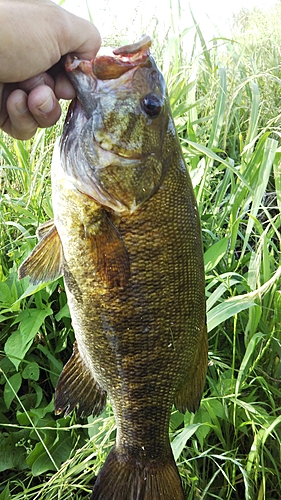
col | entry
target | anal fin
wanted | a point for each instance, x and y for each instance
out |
(45, 261)
(76, 386)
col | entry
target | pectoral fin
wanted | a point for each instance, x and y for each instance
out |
(45, 261)
(113, 263)
(44, 229)
(76, 386)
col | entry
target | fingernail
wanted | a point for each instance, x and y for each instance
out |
(47, 106)
(21, 106)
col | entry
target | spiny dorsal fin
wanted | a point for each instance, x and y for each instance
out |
(76, 385)
(45, 261)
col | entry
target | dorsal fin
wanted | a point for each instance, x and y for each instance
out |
(189, 395)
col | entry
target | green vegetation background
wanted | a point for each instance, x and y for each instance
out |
(226, 105)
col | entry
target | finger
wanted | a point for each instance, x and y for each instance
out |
(64, 88)
(55, 79)
(20, 123)
(44, 106)
(35, 81)
(5, 91)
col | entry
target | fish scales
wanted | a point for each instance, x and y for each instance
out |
(128, 224)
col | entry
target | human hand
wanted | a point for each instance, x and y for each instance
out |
(34, 36)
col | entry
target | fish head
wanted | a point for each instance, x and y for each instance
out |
(112, 143)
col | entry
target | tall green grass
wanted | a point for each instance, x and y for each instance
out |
(224, 101)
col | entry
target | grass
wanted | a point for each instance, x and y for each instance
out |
(225, 105)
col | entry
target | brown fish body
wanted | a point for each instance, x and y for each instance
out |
(133, 268)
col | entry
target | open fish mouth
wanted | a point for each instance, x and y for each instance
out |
(111, 64)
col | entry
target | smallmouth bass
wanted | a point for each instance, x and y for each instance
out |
(126, 236)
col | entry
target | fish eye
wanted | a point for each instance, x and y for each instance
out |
(152, 105)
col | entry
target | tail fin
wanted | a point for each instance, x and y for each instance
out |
(122, 479)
